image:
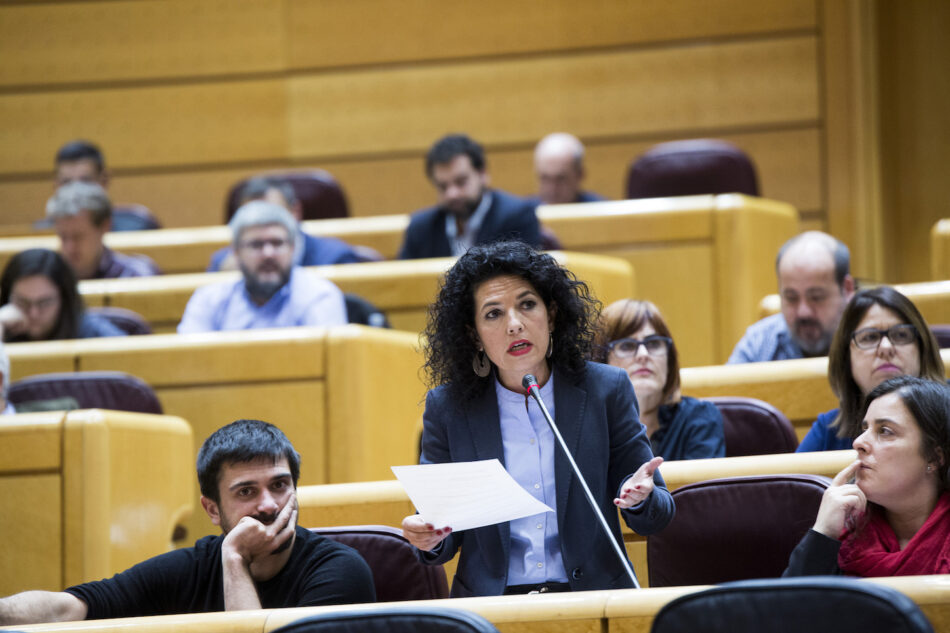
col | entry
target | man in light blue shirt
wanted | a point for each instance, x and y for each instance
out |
(272, 292)
(815, 285)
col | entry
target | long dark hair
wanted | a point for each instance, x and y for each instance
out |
(450, 342)
(49, 264)
(850, 398)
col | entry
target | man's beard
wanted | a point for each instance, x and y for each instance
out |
(262, 291)
(466, 208)
(817, 347)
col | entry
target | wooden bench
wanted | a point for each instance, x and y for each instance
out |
(940, 250)
(349, 398)
(385, 502)
(704, 260)
(626, 610)
(401, 289)
(89, 493)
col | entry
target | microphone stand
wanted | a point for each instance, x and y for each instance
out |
(530, 383)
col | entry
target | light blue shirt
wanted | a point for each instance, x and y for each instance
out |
(529, 445)
(765, 340)
(305, 299)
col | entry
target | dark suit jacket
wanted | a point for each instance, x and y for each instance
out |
(508, 217)
(598, 418)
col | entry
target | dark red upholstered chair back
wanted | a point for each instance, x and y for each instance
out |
(693, 167)
(397, 573)
(319, 193)
(734, 529)
(90, 389)
(942, 334)
(813, 604)
(392, 619)
(133, 217)
(754, 427)
(126, 320)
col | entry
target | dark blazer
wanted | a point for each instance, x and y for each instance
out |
(508, 217)
(598, 418)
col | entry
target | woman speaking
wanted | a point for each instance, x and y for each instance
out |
(504, 311)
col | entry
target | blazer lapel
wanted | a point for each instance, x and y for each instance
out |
(570, 403)
(484, 424)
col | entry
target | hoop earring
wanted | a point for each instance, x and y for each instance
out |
(480, 364)
(550, 351)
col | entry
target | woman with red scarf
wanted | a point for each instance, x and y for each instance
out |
(888, 512)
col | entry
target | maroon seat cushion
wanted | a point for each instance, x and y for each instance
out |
(693, 167)
(397, 572)
(319, 193)
(90, 389)
(126, 320)
(754, 427)
(734, 529)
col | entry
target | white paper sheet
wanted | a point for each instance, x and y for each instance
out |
(466, 495)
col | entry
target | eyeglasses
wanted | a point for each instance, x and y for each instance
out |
(870, 338)
(656, 346)
(42, 304)
(259, 245)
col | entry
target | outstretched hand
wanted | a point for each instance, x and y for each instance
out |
(422, 534)
(638, 486)
(841, 504)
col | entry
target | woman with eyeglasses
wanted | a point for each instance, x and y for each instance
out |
(634, 337)
(39, 301)
(881, 335)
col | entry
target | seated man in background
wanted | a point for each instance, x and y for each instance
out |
(310, 249)
(559, 168)
(815, 285)
(272, 291)
(83, 162)
(468, 212)
(248, 473)
(81, 214)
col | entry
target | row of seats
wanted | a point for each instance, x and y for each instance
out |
(705, 260)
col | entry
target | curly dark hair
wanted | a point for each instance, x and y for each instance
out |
(450, 329)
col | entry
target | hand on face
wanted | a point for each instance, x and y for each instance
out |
(12, 320)
(639, 486)
(841, 504)
(254, 540)
(422, 534)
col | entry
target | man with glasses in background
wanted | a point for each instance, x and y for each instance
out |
(814, 284)
(272, 291)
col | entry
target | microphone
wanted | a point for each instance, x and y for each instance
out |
(530, 384)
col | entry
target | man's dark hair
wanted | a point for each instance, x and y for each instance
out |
(257, 188)
(242, 441)
(448, 147)
(80, 150)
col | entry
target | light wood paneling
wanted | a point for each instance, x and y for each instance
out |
(33, 558)
(746, 83)
(338, 32)
(77, 42)
(152, 126)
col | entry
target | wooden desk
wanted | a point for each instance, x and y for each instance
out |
(89, 493)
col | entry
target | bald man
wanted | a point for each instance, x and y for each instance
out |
(559, 167)
(815, 285)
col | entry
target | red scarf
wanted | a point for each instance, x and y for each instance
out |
(874, 551)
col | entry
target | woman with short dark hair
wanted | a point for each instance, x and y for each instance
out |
(888, 512)
(504, 311)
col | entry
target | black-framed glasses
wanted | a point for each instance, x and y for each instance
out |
(870, 338)
(626, 347)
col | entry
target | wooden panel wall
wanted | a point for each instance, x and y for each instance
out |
(187, 97)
